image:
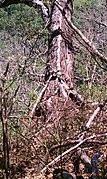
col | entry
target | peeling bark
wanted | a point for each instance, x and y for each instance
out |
(60, 60)
(60, 52)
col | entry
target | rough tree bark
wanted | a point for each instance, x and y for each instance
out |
(60, 60)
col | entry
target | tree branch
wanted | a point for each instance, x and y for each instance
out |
(88, 45)
(87, 125)
(74, 142)
(72, 93)
(99, 108)
(71, 149)
(39, 98)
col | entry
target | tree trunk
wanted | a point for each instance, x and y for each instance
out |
(4, 122)
(5, 148)
(56, 107)
(60, 61)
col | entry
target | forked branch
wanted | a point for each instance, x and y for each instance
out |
(71, 149)
(88, 45)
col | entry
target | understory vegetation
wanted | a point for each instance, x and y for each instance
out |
(33, 143)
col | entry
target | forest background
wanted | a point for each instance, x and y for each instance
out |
(33, 143)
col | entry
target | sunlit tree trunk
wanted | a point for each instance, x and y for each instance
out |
(60, 59)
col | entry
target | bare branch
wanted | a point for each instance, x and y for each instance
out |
(71, 149)
(96, 112)
(88, 44)
(72, 142)
(6, 71)
(13, 100)
(72, 93)
(44, 9)
(87, 126)
(39, 98)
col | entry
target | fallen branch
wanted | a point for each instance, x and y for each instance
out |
(71, 149)
(72, 142)
(96, 112)
(87, 126)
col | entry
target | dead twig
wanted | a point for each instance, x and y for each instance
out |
(39, 98)
(71, 149)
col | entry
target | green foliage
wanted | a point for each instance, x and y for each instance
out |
(79, 3)
(2, 16)
(84, 71)
(20, 19)
(20, 28)
(86, 14)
